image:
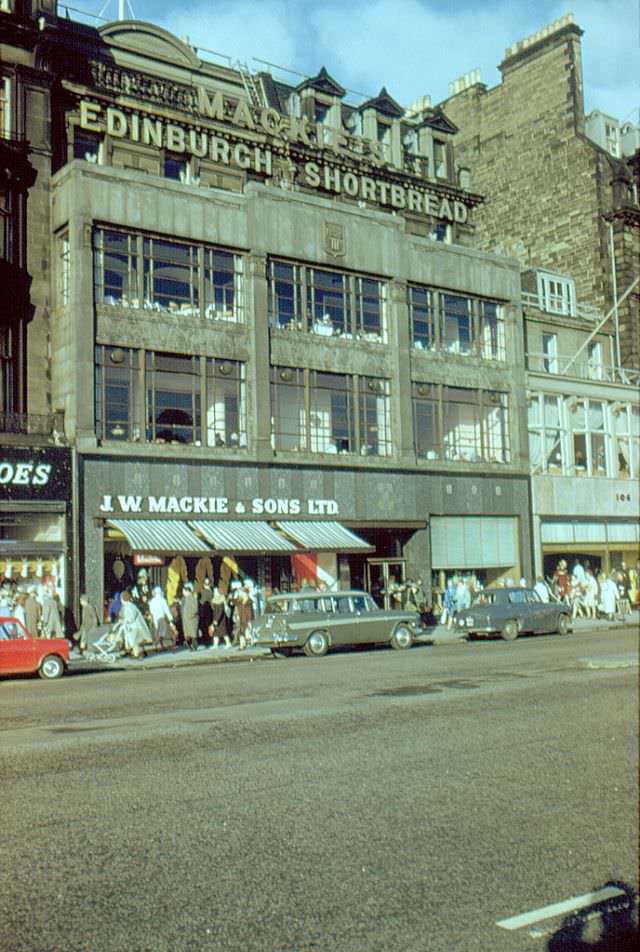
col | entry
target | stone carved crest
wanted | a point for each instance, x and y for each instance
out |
(335, 242)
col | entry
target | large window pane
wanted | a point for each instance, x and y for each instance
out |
(226, 417)
(328, 299)
(222, 285)
(288, 423)
(170, 276)
(428, 442)
(173, 405)
(461, 415)
(422, 317)
(456, 324)
(373, 400)
(117, 394)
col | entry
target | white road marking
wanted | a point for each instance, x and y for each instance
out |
(559, 908)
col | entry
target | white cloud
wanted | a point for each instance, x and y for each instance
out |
(413, 47)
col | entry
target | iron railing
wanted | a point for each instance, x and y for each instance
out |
(567, 366)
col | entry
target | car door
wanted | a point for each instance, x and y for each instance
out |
(17, 648)
(539, 613)
(368, 622)
(343, 621)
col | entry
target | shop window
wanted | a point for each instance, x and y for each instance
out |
(6, 6)
(172, 274)
(550, 353)
(315, 412)
(455, 323)
(547, 435)
(156, 397)
(336, 304)
(588, 436)
(460, 424)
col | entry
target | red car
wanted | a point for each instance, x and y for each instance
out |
(21, 653)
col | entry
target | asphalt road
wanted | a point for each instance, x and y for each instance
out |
(369, 800)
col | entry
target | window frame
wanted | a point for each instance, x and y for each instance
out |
(438, 402)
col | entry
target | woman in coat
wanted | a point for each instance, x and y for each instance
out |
(135, 630)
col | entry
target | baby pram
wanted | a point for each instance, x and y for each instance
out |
(107, 645)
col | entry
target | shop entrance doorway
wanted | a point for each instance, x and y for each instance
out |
(382, 576)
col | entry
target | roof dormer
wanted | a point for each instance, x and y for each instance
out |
(320, 98)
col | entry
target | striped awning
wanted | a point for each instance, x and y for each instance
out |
(243, 536)
(158, 535)
(325, 537)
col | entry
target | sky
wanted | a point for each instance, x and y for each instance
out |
(412, 47)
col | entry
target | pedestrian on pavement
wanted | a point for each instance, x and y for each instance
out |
(135, 631)
(33, 613)
(89, 622)
(51, 624)
(162, 625)
(542, 589)
(608, 596)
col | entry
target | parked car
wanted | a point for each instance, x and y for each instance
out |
(22, 653)
(316, 621)
(512, 611)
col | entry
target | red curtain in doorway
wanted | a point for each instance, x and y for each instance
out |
(305, 568)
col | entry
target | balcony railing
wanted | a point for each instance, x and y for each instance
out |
(581, 370)
(49, 425)
(585, 311)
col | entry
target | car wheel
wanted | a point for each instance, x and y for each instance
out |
(51, 667)
(282, 652)
(562, 625)
(402, 637)
(509, 630)
(316, 645)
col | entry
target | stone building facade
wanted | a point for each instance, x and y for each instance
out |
(567, 209)
(555, 200)
(272, 342)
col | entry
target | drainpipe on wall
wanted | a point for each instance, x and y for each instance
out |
(614, 287)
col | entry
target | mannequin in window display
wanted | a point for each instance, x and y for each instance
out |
(190, 616)
(141, 593)
(218, 629)
(206, 611)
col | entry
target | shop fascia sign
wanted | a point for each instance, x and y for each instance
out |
(218, 505)
(139, 127)
(25, 473)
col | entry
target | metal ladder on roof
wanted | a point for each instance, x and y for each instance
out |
(253, 88)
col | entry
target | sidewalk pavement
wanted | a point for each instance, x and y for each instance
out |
(181, 656)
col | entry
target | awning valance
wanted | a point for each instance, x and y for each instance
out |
(325, 537)
(158, 535)
(245, 536)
